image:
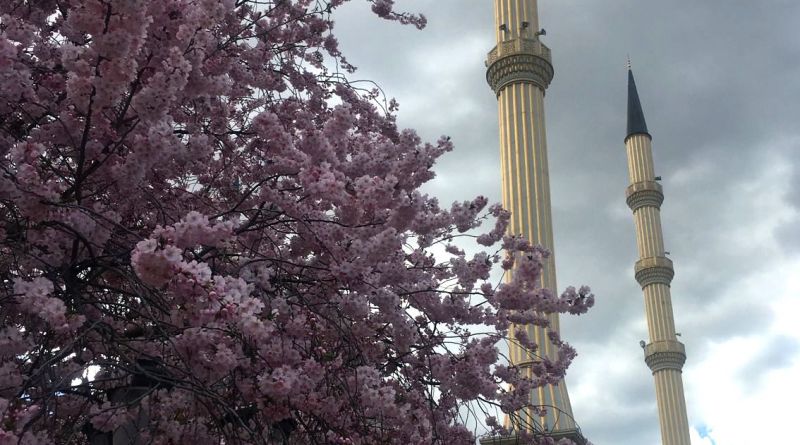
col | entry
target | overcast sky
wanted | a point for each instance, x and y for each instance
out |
(719, 82)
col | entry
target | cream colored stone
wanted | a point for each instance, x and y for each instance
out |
(519, 70)
(664, 355)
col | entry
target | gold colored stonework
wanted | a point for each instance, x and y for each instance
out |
(519, 60)
(519, 69)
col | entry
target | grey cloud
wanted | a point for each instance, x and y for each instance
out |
(616, 394)
(788, 235)
(779, 352)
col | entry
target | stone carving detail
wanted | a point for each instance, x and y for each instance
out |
(516, 46)
(654, 270)
(669, 354)
(644, 194)
(519, 60)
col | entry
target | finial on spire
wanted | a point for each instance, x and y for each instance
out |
(629, 62)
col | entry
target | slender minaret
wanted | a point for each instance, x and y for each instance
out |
(664, 354)
(519, 71)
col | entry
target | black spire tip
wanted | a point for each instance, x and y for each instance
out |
(636, 123)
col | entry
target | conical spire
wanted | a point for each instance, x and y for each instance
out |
(636, 123)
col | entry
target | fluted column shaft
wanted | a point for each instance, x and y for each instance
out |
(526, 193)
(519, 71)
(664, 354)
(520, 17)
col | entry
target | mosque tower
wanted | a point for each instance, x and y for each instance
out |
(664, 354)
(519, 70)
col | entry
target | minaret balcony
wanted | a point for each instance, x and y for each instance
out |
(665, 354)
(519, 60)
(644, 194)
(654, 270)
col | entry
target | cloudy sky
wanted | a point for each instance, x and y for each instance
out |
(720, 86)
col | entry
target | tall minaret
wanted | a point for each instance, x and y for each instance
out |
(519, 71)
(664, 354)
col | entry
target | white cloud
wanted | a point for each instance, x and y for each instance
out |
(756, 407)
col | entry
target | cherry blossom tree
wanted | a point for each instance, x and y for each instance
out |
(209, 235)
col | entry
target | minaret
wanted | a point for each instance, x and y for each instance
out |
(519, 70)
(664, 354)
